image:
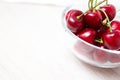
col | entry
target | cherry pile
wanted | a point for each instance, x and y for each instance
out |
(97, 25)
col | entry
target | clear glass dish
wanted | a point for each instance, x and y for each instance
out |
(89, 53)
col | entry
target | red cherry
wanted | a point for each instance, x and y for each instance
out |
(88, 35)
(69, 13)
(100, 56)
(111, 40)
(74, 23)
(100, 45)
(109, 10)
(93, 18)
(83, 49)
(114, 58)
(101, 30)
(115, 26)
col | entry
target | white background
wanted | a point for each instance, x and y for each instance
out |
(56, 2)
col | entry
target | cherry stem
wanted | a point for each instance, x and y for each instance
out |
(104, 22)
(99, 40)
(89, 5)
(99, 3)
(108, 21)
(95, 2)
(106, 2)
(78, 17)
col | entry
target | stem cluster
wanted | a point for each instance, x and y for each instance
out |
(92, 5)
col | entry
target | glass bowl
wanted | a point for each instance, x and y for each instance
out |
(86, 52)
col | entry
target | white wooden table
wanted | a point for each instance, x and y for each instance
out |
(32, 47)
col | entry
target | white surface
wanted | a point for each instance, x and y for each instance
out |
(56, 2)
(32, 47)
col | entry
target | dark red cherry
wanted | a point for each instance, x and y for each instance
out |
(111, 40)
(100, 45)
(114, 58)
(88, 35)
(83, 49)
(101, 30)
(74, 22)
(110, 10)
(115, 26)
(69, 13)
(93, 19)
(101, 56)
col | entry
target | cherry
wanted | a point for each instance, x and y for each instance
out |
(114, 58)
(111, 40)
(74, 22)
(109, 10)
(100, 45)
(88, 35)
(101, 30)
(83, 49)
(93, 18)
(100, 56)
(69, 13)
(115, 25)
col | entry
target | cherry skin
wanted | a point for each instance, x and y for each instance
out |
(110, 10)
(100, 56)
(101, 30)
(74, 23)
(114, 58)
(83, 49)
(69, 13)
(93, 18)
(100, 45)
(88, 35)
(115, 26)
(111, 40)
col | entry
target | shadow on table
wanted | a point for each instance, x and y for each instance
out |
(101, 73)
(104, 73)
